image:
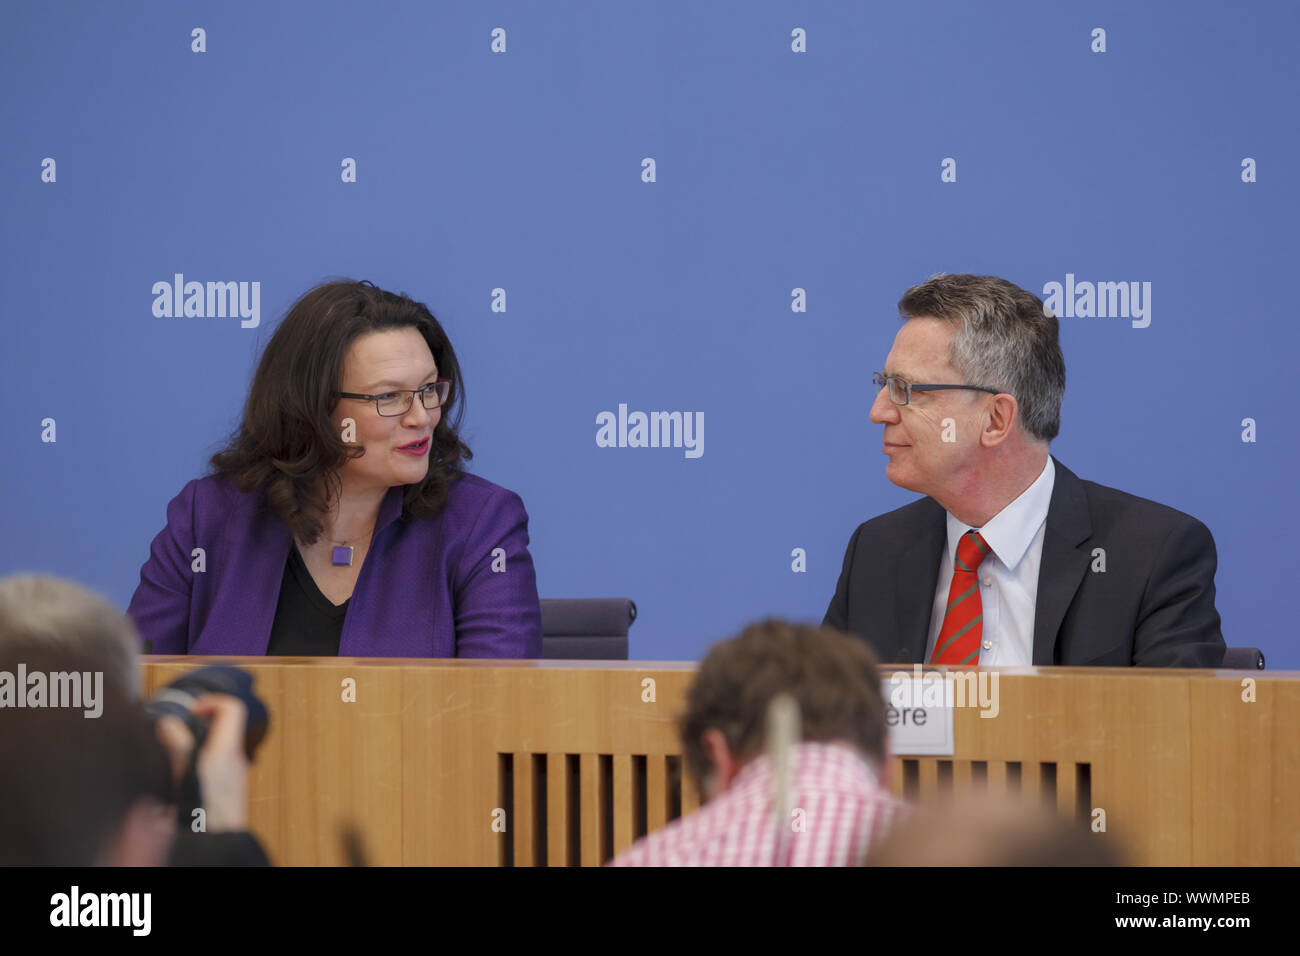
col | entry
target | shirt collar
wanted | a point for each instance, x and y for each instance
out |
(831, 758)
(1009, 532)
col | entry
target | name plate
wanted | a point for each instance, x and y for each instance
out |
(920, 707)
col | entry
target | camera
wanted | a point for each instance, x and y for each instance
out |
(176, 699)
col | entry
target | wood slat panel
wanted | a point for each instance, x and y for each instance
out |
(591, 810)
(557, 810)
(1066, 793)
(524, 822)
(658, 799)
(1031, 782)
(624, 805)
(997, 779)
(927, 778)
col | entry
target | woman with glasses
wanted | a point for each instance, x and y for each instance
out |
(338, 519)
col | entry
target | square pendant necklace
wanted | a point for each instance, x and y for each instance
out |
(341, 554)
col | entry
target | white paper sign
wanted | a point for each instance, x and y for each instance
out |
(919, 707)
(914, 726)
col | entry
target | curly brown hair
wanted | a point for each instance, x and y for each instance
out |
(287, 444)
(833, 676)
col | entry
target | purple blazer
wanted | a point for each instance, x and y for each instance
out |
(427, 588)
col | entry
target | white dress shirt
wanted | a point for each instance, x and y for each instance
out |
(1008, 575)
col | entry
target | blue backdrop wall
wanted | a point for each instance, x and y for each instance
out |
(845, 150)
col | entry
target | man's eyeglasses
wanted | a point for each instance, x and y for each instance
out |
(399, 400)
(900, 391)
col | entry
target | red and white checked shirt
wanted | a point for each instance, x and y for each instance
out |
(838, 811)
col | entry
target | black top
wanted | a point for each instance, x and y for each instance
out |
(306, 623)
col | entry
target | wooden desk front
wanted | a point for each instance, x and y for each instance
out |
(566, 762)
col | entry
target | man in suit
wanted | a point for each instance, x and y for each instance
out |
(1010, 559)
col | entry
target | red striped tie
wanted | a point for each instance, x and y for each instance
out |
(959, 638)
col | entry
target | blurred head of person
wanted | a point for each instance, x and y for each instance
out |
(88, 777)
(62, 615)
(78, 790)
(308, 439)
(833, 677)
(982, 830)
(965, 446)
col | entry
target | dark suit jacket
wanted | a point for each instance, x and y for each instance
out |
(1152, 606)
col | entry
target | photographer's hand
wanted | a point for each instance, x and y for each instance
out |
(222, 765)
(178, 742)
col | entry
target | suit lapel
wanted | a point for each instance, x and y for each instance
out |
(918, 574)
(1063, 564)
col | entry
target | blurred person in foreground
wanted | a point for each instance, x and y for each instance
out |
(97, 785)
(838, 799)
(339, 519)
(1010, 559)
(983, 830)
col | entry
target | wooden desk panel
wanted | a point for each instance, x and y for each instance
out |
(577, 759)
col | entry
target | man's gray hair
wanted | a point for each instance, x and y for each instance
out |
(38, 610)
(1005, 340)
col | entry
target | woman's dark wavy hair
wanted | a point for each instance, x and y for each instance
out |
(287, 443)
